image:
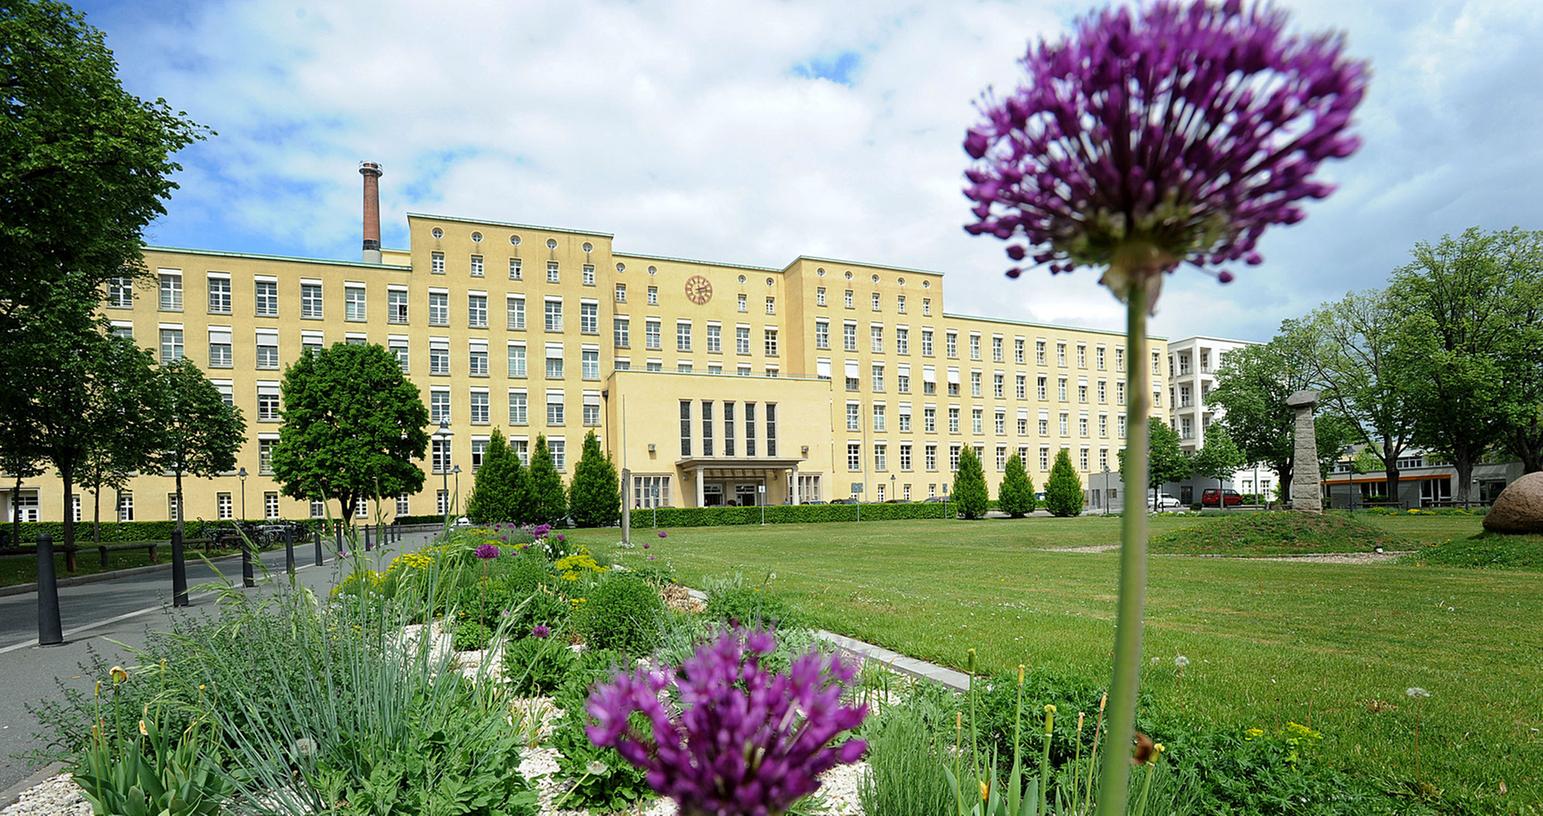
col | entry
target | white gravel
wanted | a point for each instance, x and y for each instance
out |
(57, 796)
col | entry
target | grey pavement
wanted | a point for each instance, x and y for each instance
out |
(105, 614)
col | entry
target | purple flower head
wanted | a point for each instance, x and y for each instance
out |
(540, 530)
(744, 741)
(652, 557)
(487, 551)
(646, 545)
(561, 537)
(663, 534)
(1174, 132)
(540, 630)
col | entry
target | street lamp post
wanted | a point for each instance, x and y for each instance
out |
(892, 494)
(1106, 491)
(457, 471)
(247, 579)
(655, 490)
(443, 435)
(945, 500)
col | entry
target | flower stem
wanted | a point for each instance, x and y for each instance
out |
(1114, 773)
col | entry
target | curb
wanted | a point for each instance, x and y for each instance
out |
(12, 795)
(98, 577)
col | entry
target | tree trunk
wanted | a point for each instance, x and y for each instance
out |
(1283, 470)
(1464, 466)
(16, 513)
(1390, 469)
(1528, 445)
(67, 476)
(96, 523)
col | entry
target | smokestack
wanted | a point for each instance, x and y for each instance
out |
(371, 173)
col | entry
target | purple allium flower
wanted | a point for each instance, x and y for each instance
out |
(652, 557)
(663, 534)
(1165, 134)
(646, 545)
(561, 537)
(540, 630)
(745, 741)
(540, 530)
(487, 551)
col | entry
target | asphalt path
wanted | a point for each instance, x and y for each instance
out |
(108, 616)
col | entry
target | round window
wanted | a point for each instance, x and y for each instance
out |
(437, 232)
(588, 247)
(514, 240)
(476, 237)
(551, 243)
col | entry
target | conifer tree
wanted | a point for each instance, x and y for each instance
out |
(493, 498)
(545, 499)
(970, 485)
(1063, 490)
(1016, 496)
(594, 497)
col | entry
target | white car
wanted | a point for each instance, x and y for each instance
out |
(463, 522)
(1162, 502)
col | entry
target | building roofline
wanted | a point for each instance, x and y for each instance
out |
(1010, 322)
(672, 259)
(864, 264)
(490, 223)
(261, 257)
(1211, 337)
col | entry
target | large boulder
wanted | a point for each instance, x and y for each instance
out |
(1519, 508)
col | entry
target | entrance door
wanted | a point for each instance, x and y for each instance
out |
(745, 495)
(712, 495)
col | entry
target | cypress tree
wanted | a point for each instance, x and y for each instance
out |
(1063, 490)
(547, 502)
(1016, 496)
(970, 485)
(493, 498)
(595, 493)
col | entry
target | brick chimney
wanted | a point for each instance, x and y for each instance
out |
(371, 173)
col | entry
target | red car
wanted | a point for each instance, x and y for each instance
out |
(1213, 498)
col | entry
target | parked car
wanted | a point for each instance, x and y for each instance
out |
(1163, 501)
(933, 500)
(1215, 498)
(843, 501)
(463, 522)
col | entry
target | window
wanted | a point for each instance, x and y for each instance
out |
(516, 269)
(1060, 354)
(974, 347)
(1119, 359)
(854, 416)
(878, 377)
(876, 338)
(685, 428)
(171, 291)
(120, 292)
(651, 338)
(905, 417)
(1044, 458)
(219, 348)
(621, 293)
(1044, 424)
(742, 339)
(477, 358)
(903, 379)
(875, 301)
(439, 356)
(271, 505)
(951, 344)
(1082, 357)
(880, 458)
(518, 407)
(589, 317)
(902, 341)
(439, 455)
(587, 274)
(771, 305)
(1060, 389)
(1000, 424)
(1023, 424)
(953, 457)
(125, 505)
(437, 263)
(439, 405)
(1098, 358)
(996, 349)
(265, 454)
(268, 403)
(975, 384)
(554, 361)
(743, 303)
(1082, 459)
(515, 306)
(555, 409)
(854, 456)
(749, 429)
(930, 457)
(771, 342)
(476, 266)
(683, 335)
(1155, 358)
(714, 338)
(621, 332)
(927, 307)
(728, 428)
(402, 506)
(975, 421)
(849, 336)
(1082, 425)
(707, 427)
(1103, 425)
(905, 457)
(926, 342)
(1103, 392)
(398, 348)
(439, 308)
(223, 505)
(480, 414)
(650, 491)
(265, 298)
(900, 303)
(953, 419)
(171, 345)
(219, 294)
(552, 315)
(1018, 350)
(441, 502)
(878, 418)
(591, 411)
(396, 306)
(653, 296)
(1001, 458)
(551, 272)
(1021, 387)
(1120, 425)
(1119, 392)
(121, 329)
(311, 300)
(819, 296)
(477, 310)
(1082, 393)
(1063, 427)
(589, 364)
(267, 349)
(847, 299)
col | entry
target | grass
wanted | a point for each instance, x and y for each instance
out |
(1279, 533)
(1330, 645)
(22, 569)
(1486, 550)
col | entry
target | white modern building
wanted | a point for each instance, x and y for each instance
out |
(1192, 366)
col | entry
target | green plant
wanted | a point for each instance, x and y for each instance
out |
(161, 773)
(543, 500)
(1063, 490)
(621, 612)
(970, 485)
(734, 603)
(1016, 495)
(906, 756)
(471, 635)
(495, 493)
(595, 492)
(536, 665)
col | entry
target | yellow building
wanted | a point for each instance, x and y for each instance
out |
(713, 383)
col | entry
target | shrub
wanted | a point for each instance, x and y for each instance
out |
(595, 494)
(542, 500)
(621, 612)
(1063, 490)
(970, 485)
(1016, 496)
(535, 665)
(750, 606)
(471, 635)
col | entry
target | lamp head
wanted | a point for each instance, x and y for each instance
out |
(241, 473)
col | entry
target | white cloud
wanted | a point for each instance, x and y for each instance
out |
(683, 129)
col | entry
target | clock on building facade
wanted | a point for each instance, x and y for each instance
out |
(698, 290)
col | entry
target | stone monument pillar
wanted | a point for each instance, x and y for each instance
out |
(1306, 489)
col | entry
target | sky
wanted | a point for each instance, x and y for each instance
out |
(756, 132)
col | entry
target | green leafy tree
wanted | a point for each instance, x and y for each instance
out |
(595, 494)
(1016, 496)
(1166, 459)
(1521, 358)
(1458, 319)
(131, 414)
(1218, 459)
(970, 485)
(20, 455)
(352, 427)
(1252, 385)
(545, 500)
(200, 434)
(493, 497)
(1063, 490)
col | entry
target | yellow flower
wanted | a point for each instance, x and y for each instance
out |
(985, 792)
(1253, 732)
(119, 675)
(143, 731)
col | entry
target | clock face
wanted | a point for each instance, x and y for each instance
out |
(698, 290)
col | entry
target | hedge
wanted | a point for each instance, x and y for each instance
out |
(114, 532)
(785, 514)
(437, 518)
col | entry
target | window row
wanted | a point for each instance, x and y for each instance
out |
(906, 461)
(477, 267)
(727, 428)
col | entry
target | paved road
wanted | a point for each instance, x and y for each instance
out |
(102, 615)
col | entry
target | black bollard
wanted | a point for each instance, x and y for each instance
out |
(248, 580)
(316, 535)
(179, 571)
(367, 538)
(50, 632)
(289, 551)
(338, 534)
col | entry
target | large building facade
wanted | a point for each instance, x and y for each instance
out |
(711, 383)
(1193, 363)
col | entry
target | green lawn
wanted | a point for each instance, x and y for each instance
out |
(1330, 645)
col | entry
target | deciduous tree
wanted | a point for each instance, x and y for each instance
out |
(1218, 459)
(970, 485)
(1251, 387)
(1166, 459)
